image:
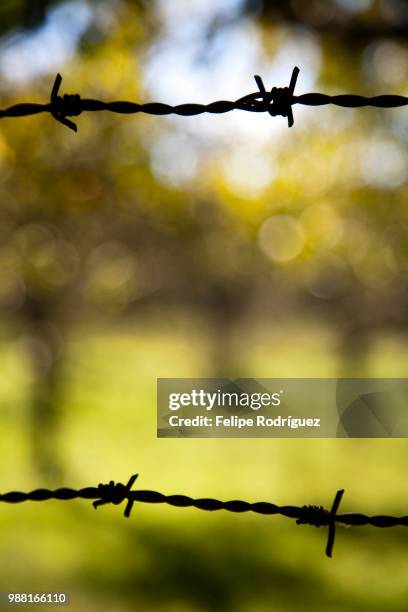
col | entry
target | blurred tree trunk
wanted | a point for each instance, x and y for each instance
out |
(45, 347)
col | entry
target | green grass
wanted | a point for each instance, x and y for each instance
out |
(166, 558)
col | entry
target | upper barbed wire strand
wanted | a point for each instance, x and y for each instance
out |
(116, 493)
(277, 101)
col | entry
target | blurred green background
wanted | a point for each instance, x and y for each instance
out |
(146, 247)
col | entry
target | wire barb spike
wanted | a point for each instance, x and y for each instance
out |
(279, 100)
(318, 516)
(115, 493)
(62, 107)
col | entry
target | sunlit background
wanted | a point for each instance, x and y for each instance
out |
(216, 245)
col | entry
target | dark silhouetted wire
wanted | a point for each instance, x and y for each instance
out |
(115, 493)
(277, 101)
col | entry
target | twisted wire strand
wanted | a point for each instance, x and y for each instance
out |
(116, 493)
(277, 101)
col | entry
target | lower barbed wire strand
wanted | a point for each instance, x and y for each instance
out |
(116, 493)
(207, 504)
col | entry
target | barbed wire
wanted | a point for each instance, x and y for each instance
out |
(116, 493)
(277, 101)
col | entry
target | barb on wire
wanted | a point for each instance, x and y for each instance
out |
(277, 101)
(317, 516)
(116, 493)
